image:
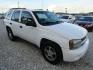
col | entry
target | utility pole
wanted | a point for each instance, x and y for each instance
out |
(2, 10)
(66, 10)
(18, 3)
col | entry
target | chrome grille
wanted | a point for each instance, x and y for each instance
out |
(83, 40)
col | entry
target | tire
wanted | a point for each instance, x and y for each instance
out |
(10, 34)
(90, 29)
(52, 52)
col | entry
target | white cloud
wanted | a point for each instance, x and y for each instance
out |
(78, 8)
(72, 5)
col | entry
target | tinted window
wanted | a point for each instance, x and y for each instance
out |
(26, 17)
(46, 18)
(65, 17)
(9, 14)
(86, 18)
(15, 16)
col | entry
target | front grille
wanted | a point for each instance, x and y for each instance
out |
(83, 40)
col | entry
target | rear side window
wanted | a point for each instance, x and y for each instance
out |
(15, 16)
(9, 14)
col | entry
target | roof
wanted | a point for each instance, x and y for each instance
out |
(17, 8)
(27, 9)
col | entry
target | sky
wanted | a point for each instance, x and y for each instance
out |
(73, 6)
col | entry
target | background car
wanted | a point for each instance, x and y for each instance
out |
(67, 18)
(86, 22)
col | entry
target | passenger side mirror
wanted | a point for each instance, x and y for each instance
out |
(30, 22)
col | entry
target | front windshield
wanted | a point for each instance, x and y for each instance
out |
(46, 18)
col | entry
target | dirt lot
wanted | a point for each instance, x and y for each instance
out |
(21, 55)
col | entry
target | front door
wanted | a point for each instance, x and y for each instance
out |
(28, 29)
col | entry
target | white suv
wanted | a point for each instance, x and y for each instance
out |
(56, 40)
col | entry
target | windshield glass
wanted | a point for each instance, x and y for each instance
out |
(46, 18)
(85, 19)
(65, 17)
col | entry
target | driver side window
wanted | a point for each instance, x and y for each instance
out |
(27, 19)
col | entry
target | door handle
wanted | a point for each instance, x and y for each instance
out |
(20, 26)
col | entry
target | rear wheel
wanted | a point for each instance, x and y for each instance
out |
(10, 34)
(52, 52)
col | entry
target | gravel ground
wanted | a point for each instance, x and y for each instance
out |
(21, 55)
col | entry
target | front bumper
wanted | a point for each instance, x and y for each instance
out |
(74, 55)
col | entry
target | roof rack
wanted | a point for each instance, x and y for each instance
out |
(18, 8)
(38, 9)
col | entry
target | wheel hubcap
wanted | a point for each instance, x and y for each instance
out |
(50, 53)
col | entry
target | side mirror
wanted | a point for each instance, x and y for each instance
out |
(30, 22)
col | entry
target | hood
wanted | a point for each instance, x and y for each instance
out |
(70, 31)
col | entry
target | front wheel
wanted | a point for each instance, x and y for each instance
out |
(52, 52)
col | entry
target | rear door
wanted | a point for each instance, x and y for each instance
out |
(7, 18)
(15, 21)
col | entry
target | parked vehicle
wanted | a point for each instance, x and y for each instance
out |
(86, 22)
(67, 18)
(57, 41)
(1, 16)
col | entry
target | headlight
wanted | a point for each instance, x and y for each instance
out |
(74, 43)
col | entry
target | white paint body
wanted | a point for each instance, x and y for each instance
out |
(60, 33)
